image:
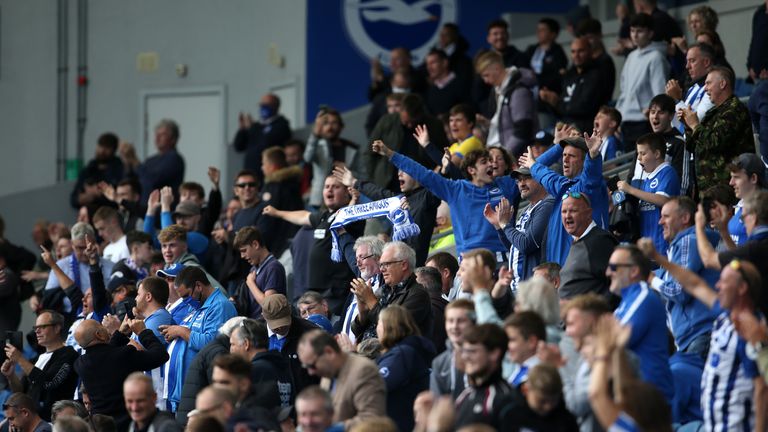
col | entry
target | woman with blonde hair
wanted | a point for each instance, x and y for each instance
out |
(404, 364)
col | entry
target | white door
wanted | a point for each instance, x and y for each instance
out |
(200, 114)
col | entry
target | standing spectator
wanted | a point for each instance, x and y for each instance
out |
(661, 112)
(606, 125)
(447, 376)
(140, 400)
(731, 379)
(104, 167)
(446, 88)
(592, 30)
(664, 28)
(388, 103)
(166, 168)
(723, 134)
(514, 120)
(747, 177)
(294, 156)
(175, 249)
(327, 149)
(404, 365)
(644, 76)
(127, 195)
(643, 311)
(281, 189)
(135, 266)
(482, 353)
(429, 278)
(367, 251)
(210, 210)
(525, 331)
(51, 377)
(106, 220)
(546, 57)
(358, 390)
(266, 277)
(399, 60)
(700, 58)
(498, 41)
(253, 137)
(188, 337)
(21, 414)
(455, 45)
(398, 262)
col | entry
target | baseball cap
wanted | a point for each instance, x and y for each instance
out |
(117, 280)
(543, 138)
(187, 208)
(520, 171)
(276, 311)
(577, 142)
(321, 321)
(751, 164)
(170, 271)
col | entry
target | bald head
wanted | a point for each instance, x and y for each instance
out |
(270, 100)
(91, 332)
(581, 51)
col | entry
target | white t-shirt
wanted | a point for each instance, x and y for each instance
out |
(117, 250)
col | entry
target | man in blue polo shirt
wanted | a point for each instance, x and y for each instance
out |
(197, 329)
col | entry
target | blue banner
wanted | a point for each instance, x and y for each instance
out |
(343, 36)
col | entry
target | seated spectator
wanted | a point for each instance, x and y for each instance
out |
(314, 411)
(448, 266)
(661, 112)
(482, 353)
(659, 182)
(514, 121)
(430, 279)
(644, 312)
(723, 134)
(68, 408)
(538, 295)
(312, 303)
(21, 414)
(269, 370)
(404, 365)
(606, 125)
(104, 167)
(550, 272)
(359, 392)
(584, 268)
(583, 86)
(525, 330)
(447, 377)
(217, 402)
(51, 377)
(540, 404)
(281, 189)
(446, 88)
(166, 168)
(140, 399)
(233, 373)
(327, 149)
(592, 30)
(643, 76)
(127, 195)
(253, 137)
(266, 277)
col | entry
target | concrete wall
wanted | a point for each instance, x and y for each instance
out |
(221, 42)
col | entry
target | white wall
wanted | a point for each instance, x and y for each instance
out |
(222, 42)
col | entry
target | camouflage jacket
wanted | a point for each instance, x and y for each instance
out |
(724, 133)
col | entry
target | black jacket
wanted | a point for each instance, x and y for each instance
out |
(56, 381)
(271, 369)
(554, 60)
(523, 418)
(260, 137)
(162, 421)
(301, 378)
(582, 96)
(408, 294)
(495, 397)
(199, 375)
(104, 367)
(282, 190)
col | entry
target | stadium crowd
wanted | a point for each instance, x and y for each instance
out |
(481, 263)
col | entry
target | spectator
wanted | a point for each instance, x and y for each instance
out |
(200, 370)
(399, 60)
(68, 408)
(723, 134)
(285, 331)
(314, 411)
(583, 271)
(448, 266)
(327, 277)
(525, 331)
(661, 112)
(398, 129)
(550, 272)
(282, 184)
(268, 368)
(644, 76)
(659, 182)
(294, 156)
(758, 73)
(21, 414)
(540, 404)
(326, 149)
(429, 278)
(266, 277)
(538, 295)
(643, 311)
(583, 85)
(398, 262)
(233, 373)
(253, 137)
(526, 236)
(186, 215)
(461, 121)
(51, 377)
(196, 330)
(592, 30)
(447, 375)
(482, 353)
(747, 177)
(107, 222)
(359, 392)
(514, 120)
(217, 402)
(389, 102)
(210, 210)
(173, 243)
(127, 195)
(737, 292)
(582, 173)
(180, 301)
(498, 41)
(455, 45)
(606, 125)
(700, 58)
(104, 384)
(546, 57)
(404, 365)
(446, 87)
(134, 267)
(166, 168)
(312, 303)
(104, 167)
(140, 399)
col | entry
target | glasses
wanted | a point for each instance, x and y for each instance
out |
(616, 266)
(385, 264)
(575, 195)
(42, 326)
(308, 309)
(312, 365)
(246, 184)
(361, 259)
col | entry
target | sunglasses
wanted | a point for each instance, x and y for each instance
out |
(245, 185)
(616, 266)
(576, 195)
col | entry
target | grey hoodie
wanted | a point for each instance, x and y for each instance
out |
(644, 76)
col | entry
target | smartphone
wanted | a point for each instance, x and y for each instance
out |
(125, 309)
(15, 338)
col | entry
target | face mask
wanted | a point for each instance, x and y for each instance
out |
(266, 112)
(397, 90)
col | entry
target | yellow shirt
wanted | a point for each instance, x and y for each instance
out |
(468, 145)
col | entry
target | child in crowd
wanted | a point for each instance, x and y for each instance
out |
(607, 122)
(542, 407)
(661, 113)
(524, 332)
(657, 184)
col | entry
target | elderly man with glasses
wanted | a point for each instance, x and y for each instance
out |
(51, 377)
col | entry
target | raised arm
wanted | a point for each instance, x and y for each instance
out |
(296, 217)
(435, 183)
(707, 252)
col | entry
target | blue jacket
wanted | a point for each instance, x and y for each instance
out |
(689, 318)
(589, 181)
(643, 310)
(405, 369)
(467, 201)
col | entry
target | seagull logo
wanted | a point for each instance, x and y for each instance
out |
(375, 27)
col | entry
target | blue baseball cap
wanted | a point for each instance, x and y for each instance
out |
(170, 271)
